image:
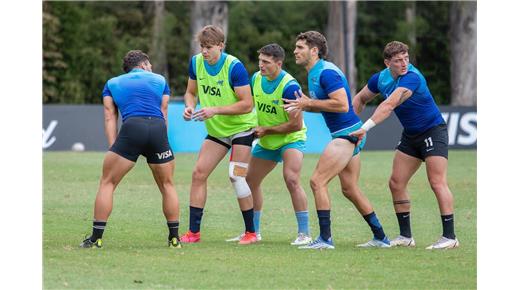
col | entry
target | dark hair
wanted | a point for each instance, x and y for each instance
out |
(211, 35)
(394, 47)
(134, 58)
(315, 39)
(273, 50)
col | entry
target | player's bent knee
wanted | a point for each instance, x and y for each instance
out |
(237, 175)
(395, 185)
(316, 183)
(439, 186)
(199, 175)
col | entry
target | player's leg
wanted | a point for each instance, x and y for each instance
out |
(436, 169)
(163, 176)
(120, 158)
(403, 168)
(210, 154)
(434, 149)
(257, 171)
(349, 178)
(238, 167)
(292, 165)
(335, 157)
(115, 167)
(161, 162)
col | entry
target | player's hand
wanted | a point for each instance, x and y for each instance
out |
(260, 132)
(360, 134)
(188, 112)
(300, 104)
(204, 114)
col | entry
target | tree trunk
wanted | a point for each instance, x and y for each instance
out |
(412, 34)
(335, 34)
(158, 49)
(351, 19)
(463, 46)
(341, 38)
(205, 13)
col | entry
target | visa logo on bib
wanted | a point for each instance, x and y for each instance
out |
(212, 91)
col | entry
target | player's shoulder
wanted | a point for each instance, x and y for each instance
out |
(411, 76)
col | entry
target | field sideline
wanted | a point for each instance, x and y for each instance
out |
(135, 255)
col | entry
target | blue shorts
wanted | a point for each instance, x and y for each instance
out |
(276, 155)
(343, 134)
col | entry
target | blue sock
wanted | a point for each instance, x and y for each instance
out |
(195, 218)
(256, 220)
(302, 217)
(375, 226)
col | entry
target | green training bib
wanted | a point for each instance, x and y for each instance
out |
(216, 91)
(270, 112)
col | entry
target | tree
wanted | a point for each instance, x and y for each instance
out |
(205, 13)
(463, 45)
(412, 28)
(351, 20)
(53, 63)
(341, 35)
(158, 48)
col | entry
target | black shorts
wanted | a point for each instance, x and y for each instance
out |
(243, 138)
(433, 142)
(145, 136)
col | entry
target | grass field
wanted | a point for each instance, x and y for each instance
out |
(135, 255)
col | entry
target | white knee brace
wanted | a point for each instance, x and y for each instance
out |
(237, 174)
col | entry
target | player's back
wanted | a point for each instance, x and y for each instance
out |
(138, 93)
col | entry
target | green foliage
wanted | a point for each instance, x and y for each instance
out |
(135, 255)
(382, 22)
(84, 42)
(255, 24)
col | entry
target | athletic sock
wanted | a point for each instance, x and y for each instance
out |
(173, 227)
(98, 227)
(375, 226)
(403, 218)
(195, 218)
(448, 230)
(256, 220)
(248, 216)
(302, 217)
(324, 220)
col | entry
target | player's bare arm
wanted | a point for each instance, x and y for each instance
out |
(337, 102)
(111, 114)
(383, 111)
(294, 124)
(244, 105)
(190, 99)
(164, 108)
(361, 99)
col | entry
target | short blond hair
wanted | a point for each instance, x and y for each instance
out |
(211, 35)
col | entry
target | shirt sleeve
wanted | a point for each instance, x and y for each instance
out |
(330, 81)
(410, 81)
(106, 91)
(191, 71)
(166, 89)
(239, 75)
(290, 88)
(372, 83)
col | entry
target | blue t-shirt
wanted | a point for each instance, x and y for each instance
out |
(419, 112)
(238, 75)
(137, 93)
(269, 86)
(323, 79)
